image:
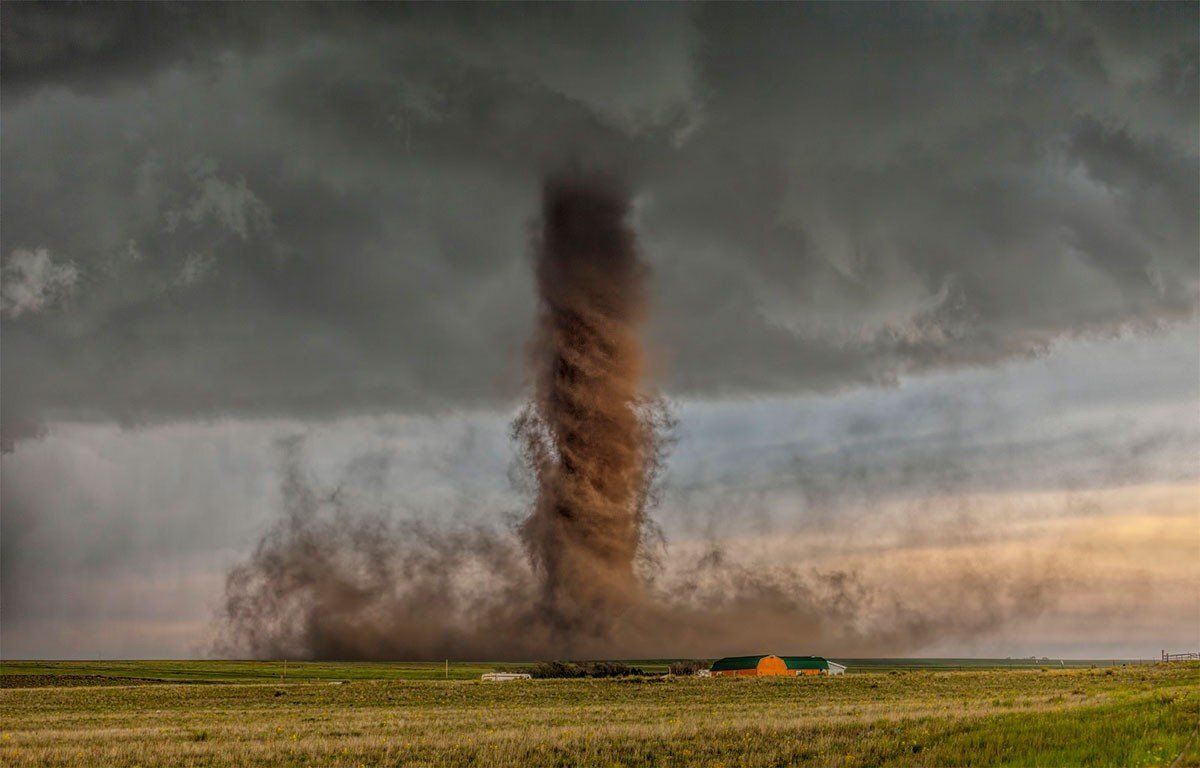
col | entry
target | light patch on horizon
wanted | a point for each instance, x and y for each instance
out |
(1113, 570)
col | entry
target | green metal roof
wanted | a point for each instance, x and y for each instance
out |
(750, 662)
(738, 662)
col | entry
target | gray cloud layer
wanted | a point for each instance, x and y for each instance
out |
(320, 210)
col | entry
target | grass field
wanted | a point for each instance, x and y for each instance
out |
(331, 714)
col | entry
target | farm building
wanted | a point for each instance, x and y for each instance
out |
(770, 665)
(504, 677)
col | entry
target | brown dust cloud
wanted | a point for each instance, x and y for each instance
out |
(583, 575)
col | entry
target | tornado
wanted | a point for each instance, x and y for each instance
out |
(589, 431)
(331, 580)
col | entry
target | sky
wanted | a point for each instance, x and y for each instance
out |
(925, 290)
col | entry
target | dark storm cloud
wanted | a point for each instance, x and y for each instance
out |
(323, 209)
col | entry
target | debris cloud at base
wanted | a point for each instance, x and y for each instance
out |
(580, 575)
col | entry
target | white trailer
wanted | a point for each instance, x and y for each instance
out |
(504, 677)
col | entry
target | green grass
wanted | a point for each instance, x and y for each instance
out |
(1124, 716)
(254, 671)
(875, 665)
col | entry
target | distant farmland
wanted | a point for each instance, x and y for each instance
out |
(886, 712)
(292, 671)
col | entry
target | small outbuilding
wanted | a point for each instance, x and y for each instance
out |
(769, 665)
(813, 665)
(504, 677)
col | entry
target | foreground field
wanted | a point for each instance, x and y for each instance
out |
(1122, 716)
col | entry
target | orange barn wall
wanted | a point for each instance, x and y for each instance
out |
(735, 673)
(773, 665)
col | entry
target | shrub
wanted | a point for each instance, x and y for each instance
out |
(555, 669)
(571, 669)
(687, 667)
(612, 669)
